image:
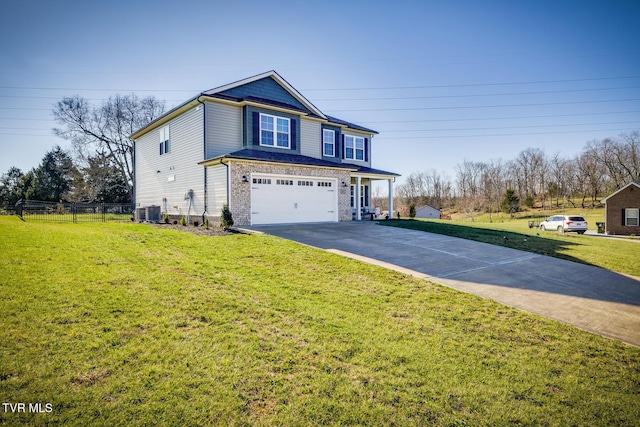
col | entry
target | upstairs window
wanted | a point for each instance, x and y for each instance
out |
(328, 143)
(164, 140)
(275, 131)
(353, 147)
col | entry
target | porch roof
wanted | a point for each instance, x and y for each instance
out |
(287, 158)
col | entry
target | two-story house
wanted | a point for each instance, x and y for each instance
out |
(262, 148)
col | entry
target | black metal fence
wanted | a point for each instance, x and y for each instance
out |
(34, 210)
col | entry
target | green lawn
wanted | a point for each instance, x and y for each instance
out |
(613, 254)
(127, 324)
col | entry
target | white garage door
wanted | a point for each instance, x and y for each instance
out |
(286, 199)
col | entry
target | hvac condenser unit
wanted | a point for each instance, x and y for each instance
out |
(152, 214)
(140, 214)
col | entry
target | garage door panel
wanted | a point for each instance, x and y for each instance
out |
(292, 199)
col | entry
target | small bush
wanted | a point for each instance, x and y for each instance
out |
(206, 223)
(226, 219)
(183, 221)
(165, 218)
(412, 210)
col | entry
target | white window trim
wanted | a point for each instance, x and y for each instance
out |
(356, 139)
(627, 217)
(165, 147)
(332, 143)
(275, 131)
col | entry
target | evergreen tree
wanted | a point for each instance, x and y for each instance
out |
(510, 202)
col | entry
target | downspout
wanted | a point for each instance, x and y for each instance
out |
(133, 190)
(204, 156)
(228, 180)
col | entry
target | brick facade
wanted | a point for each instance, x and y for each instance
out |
(240, 192)
(629, 197)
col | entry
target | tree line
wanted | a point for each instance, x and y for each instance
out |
(99, 166)
(533, 177)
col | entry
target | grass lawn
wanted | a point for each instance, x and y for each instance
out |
(613, 254)
(127, 324)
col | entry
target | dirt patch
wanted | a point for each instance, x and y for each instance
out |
(211, 231)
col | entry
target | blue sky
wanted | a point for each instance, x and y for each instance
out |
(442, 81)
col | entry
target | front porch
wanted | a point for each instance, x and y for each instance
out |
(361, 194)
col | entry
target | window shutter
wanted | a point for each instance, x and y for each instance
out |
(624, 222)
(293, 133)
(344, 154)
(366, 149)
(256, 128)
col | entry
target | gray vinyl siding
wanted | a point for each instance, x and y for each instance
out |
(217, 185)
(224, 129)
(266, 88)
(310, 138)
(153, 171)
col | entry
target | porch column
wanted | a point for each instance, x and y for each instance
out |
(391, 213)
(357, 196)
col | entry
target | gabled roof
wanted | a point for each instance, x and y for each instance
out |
(635, 183)
(272, 74)
(233, 92)
(350, 125)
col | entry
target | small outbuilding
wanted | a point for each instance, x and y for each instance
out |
(427, 212)
(622, 210)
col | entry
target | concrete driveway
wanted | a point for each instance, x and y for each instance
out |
(588, 297)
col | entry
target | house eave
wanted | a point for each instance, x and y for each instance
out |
(226, 159)
(171, 114)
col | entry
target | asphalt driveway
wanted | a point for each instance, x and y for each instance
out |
(588, 297)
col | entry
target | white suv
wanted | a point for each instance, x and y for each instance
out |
(565, 223)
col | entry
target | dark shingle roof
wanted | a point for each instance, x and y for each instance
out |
(284, 157)
(350, 125)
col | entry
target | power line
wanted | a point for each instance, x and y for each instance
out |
(473, 95)
(476, 84)
(2, 127)
(508, 134)
(501, 118)
(338, 89)
(390, 98)
(508, 127)
(489, 106)
(424, 108)
(29, 118)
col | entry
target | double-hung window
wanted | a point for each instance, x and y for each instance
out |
(275, 131)
(353, 147)
(632, 216)
(328, 143)
(164, 140)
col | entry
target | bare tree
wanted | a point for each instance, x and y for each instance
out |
(105, 129)
(629, 154)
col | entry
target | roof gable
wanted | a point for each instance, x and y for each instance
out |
(264, 88)
(635, 183)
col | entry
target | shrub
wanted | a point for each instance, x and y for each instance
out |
(165, 218)
(183, 221)
(510, 202)
(206, 223)
(412, 210)
(226, 219)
